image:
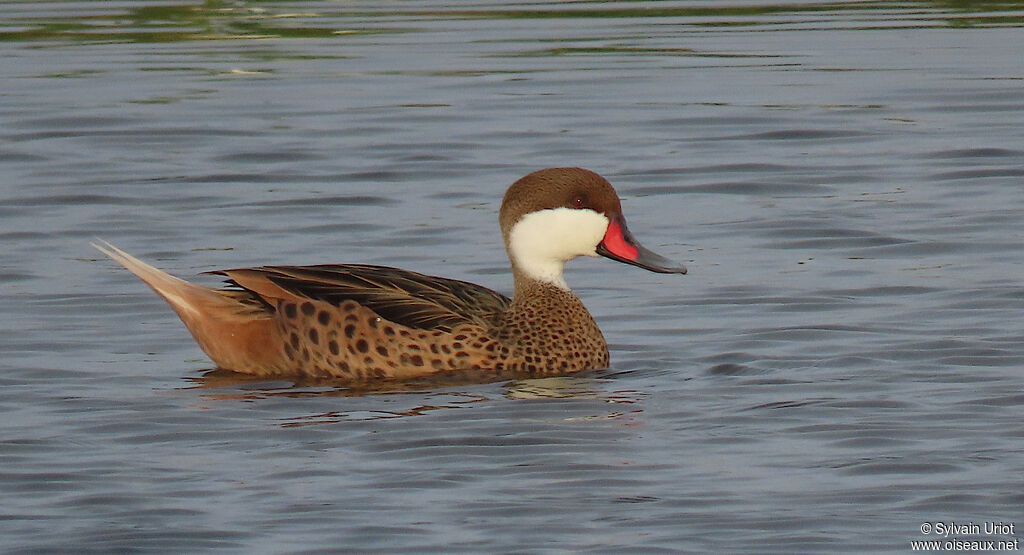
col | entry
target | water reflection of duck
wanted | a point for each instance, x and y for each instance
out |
(371, 322)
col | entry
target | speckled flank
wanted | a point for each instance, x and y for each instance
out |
(351, 341)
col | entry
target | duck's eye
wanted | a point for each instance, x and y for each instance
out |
(578, 202)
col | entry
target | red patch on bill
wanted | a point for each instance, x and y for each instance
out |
(616, 242)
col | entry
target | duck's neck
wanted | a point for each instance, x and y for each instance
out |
(546, 272)
(527, 286)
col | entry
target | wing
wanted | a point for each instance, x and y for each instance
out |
(404, 297)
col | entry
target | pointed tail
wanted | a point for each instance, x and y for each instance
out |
(184, 297)
(237, 335)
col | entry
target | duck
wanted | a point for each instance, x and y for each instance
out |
(370, 323)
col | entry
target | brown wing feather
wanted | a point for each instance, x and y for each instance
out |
(404, 297)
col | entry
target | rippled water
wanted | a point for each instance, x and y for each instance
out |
(843, 363)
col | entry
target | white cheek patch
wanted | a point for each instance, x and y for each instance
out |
(541, 242)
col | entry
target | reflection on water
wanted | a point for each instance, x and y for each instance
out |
(440, 402)
(226, 379)
(415, 397)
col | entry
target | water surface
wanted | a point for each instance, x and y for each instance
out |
(842, 364)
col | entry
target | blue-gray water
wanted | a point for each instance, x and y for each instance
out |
(844, 362)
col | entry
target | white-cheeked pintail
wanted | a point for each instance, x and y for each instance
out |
(364, 322)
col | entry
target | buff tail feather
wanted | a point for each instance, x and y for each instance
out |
(229, 330)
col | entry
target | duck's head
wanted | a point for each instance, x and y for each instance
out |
(551, 216)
